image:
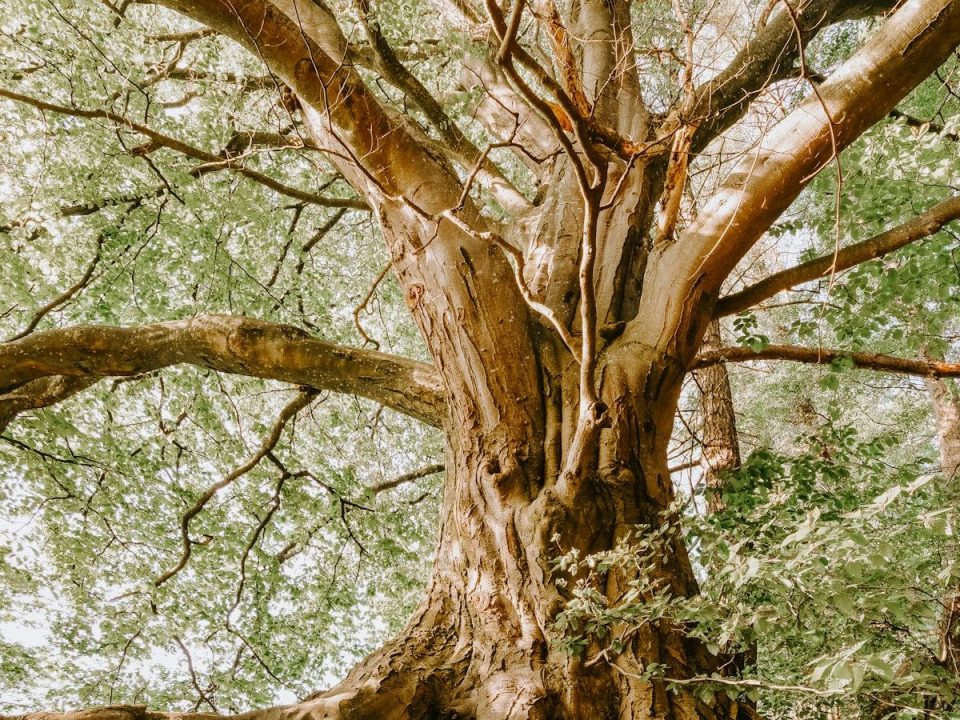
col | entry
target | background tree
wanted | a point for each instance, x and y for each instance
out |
(534, 205)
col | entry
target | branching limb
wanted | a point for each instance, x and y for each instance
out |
(303, 398)
(406, 477)
(922, 226)
(567, 118)
(303, 45)
(212, 162)
(225, 343)
(904, 51)
(459, 145)
(825, 356)
(40, 393)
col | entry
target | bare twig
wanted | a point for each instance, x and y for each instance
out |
(212, 162)
(406, 477)
(824, 356)
(66, 295)
(303, 398)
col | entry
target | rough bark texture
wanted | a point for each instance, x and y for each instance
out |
(720, 446)
(555, 440)
(946, 407)
(46, 367)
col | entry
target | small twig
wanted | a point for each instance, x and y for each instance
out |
(367, 340)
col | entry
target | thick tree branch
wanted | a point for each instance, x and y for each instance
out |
(922, 226)
(825, 356)
(221, 342)
(303, 45)
(910, 45)
(768, 57)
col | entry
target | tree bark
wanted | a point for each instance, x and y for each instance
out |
(720, 446)
(825, 356)
(46, 367)
(946, 407)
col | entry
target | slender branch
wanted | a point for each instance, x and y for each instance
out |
(225, 343)
(825, 356)
(214, 162)
(246, 82)
(361, 308)
(202, 696)
(922, 226)
(183, 37)
(737, 683)
(258, 532)
(303, 398)
(406, 477)
(768, 57)
(568, 118)
(66, 295)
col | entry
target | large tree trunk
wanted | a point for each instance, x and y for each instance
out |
(720, 445)
(480, 644)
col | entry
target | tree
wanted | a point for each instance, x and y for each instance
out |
(562, 299)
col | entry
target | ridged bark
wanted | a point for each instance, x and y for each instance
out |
(946, 407)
